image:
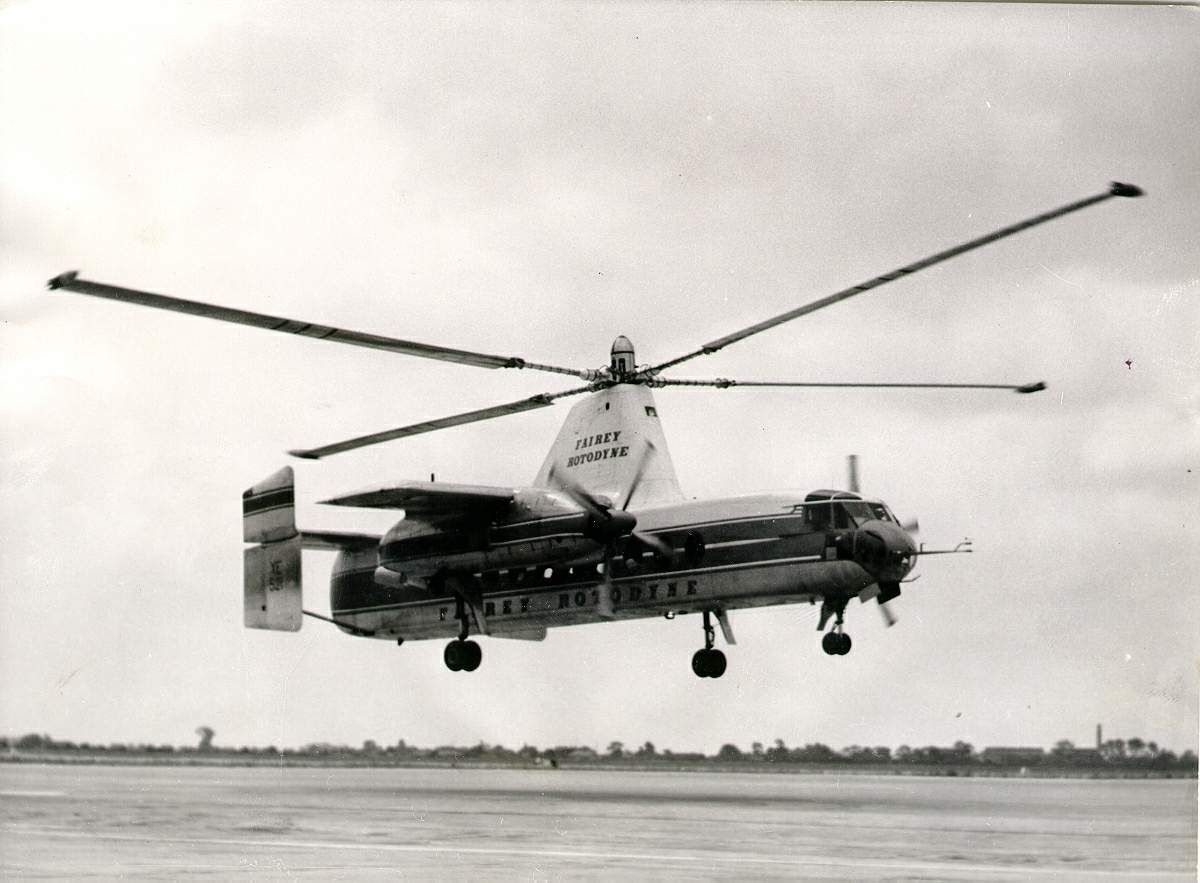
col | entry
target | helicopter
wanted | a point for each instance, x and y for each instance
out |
(603, 534)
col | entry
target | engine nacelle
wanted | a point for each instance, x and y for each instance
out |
(416, 550)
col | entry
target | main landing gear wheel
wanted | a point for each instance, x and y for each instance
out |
(462, 655)
(708, 663)
(836, 643)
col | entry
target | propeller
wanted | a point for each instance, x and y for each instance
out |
(610, 524)
(888, 592)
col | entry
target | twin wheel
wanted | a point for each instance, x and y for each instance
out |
(708, 663)
(462, 655)
(836, 643)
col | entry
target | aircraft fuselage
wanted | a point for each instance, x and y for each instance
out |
(729, 553)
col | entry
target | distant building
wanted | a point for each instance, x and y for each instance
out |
(1009, 755)
(583, 753)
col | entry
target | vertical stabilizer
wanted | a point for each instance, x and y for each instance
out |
(603, 442)
(272, 575)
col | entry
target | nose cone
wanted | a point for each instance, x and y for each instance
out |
(890, 554)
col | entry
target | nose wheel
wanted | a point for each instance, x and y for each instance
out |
(709, 662)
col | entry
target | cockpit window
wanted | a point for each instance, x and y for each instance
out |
(857, 513)
(880, 511)
(843, 514)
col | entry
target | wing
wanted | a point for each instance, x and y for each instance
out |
(336, 540)
(432, 501)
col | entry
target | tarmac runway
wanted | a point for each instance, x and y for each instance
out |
(172, 822)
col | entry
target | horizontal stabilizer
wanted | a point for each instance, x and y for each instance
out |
(431, 500)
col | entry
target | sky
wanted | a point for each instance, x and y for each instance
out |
(533, 180)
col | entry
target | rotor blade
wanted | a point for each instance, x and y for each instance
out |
(1115, 189)
(725, 383)
(538, 401)
(71, 282)
(649, 451)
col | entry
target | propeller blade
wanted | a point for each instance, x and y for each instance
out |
(852, 470)
(725, 383)
(538, 401)
(889, 618)
(655, 543)
(1115, 189)
(641, 470)
(583, 498)
(911, 527)
(70, 281)
(604, 606)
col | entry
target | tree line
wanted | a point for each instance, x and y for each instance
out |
(1134, 752)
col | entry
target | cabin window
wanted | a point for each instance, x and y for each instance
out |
(880, 511)
(650, 412)
(547, 573)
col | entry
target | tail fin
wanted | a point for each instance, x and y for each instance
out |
(272, 568)
(602, 448)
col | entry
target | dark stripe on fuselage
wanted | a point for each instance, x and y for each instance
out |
(275, 499)
(668, 579)
(715, 531)
(353, 591)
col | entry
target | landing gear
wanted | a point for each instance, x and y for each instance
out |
(462, 655)
(836, 642)
(708, 663)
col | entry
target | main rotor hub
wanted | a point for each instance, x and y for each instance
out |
(622, 357)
